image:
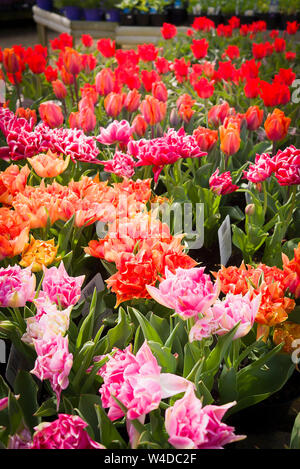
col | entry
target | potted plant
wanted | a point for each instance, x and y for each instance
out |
(157, 11)
(195, 8)
(265, 13)
(289, 11)
(112, 12)
(178, 13)
(228, 9)
(127, 12)
(142, 16)
(92, 11)
(71, 8)
(246, 11)
(45, 4)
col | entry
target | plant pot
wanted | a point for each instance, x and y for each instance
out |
(112, 15)
(142, 19)
(73, 13)
(272, 20)
(127, 18)
(247, 19)
(178, 16)
(157, 19)
(217, 19)
(45, 4)
(92, 14)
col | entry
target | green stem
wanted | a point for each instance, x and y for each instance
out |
(264, 185)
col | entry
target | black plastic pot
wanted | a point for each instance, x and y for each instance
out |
(217, 19)
(142, 19)
(178, 16)
(127, 19)
(157, 19)
(247, 19)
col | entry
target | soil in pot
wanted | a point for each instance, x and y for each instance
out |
(157, 19)
(127, 19)
(142, 19)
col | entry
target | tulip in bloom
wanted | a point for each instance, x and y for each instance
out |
(49, 165)
(287, 166)
(153, 110)
(59, 89)
(160, 91)
(139, 126)
(206, 138)
(51, 114)
(262, 169)
(11, 61)
(114, 103)
(57, 284)
(199, 48)
(116, 132)
(66, 432)
(136, 381)
(87, 119)
(107, 47)
(14, 233)
(28, 114)
(54, 362)
(254, 117)
(105, 81)
(277, 125)
(230, 139)
(292, 272)
(168, 31)
(192, 426)
(17, 286)
(132, 101)
(204, 88)
(222, 184)
(12, 181)
(189, 291)
(72, 61)
(122, 165)
(147, 52)
(48, 320)
(218, 113)
(38, 254)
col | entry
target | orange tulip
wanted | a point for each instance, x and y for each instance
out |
(59, 89)
(206, 138)
(286, 333)
(230, 139)
(105, 81)
(51, 114)
(254, 117)
(153, 110)
(139, 126)
(14, 233)
(11, 61)
(12, 181)
(38, 253)
(276, 125)
(72, 61)
(27, 114)
(113, 103)
(49, 165)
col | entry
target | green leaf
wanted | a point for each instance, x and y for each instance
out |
(120, 335)
(192, 354)
(47, 409)
(148, 330)
(227, 385)
(15, 414)
(206, 396)
(164, 357)
(295, 436)
(65, 234)
(108, 431)
(26, 387)
(86, 329)
(86, 406)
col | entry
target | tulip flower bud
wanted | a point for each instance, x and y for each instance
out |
(10, 61)
(139, 126)
(159, 131)
(174, 118)
(59, 89)
(250, 209)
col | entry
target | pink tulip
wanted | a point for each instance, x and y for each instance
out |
(261, 170)
(287, 166)
(222, 184)
(51, 114)
(191, 426)
(116, 132)
(57, 284)
(226, 314)
(189, 292)
(3, 403)
(17, 286)
(66, 432)
(137, 382)
(54, 362)
(121, 165)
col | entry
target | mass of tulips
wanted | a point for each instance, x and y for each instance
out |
(130, 327)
